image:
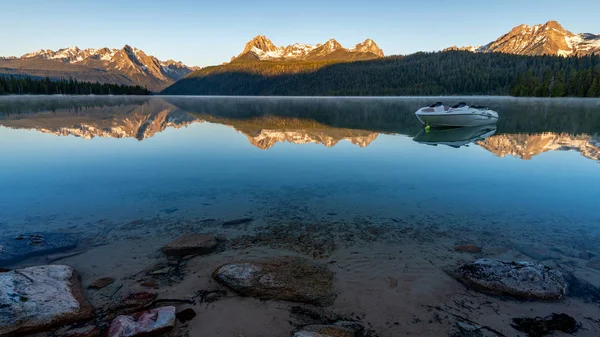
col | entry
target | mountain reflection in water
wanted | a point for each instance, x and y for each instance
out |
(527, 127)
(365, 195)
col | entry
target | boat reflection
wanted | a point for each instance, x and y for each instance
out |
(455, 137)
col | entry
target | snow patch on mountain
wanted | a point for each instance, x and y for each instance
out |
(128, 63)
(542, 39)
(264, 49)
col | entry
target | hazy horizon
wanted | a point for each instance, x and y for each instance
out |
(202, 35)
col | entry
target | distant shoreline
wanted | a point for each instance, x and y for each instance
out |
(158, 95)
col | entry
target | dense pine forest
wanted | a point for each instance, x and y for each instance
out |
(438, 73)
(44, 86)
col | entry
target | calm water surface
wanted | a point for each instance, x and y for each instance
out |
(67, 159)
(355, 183)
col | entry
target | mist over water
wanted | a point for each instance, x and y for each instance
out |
(105, 158)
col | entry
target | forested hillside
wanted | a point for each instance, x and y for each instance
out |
(439, 73)
(34, 86)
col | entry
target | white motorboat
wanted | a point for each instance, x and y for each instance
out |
(461, 114)
(455, 137)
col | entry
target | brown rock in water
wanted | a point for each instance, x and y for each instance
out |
(468, 249)
(287, 278)
(48, 296)
(101, 283)
(150, 284)
(191, 244)
(138, 299)
(146, 323)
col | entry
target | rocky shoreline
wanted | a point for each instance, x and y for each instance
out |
(365, 278)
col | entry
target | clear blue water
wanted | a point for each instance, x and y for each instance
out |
(66, 160)
(353, 182)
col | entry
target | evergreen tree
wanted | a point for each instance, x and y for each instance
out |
(45, 86)
(439, 73)
(594, 90)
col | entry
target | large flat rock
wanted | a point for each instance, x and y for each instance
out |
(520, 279)
(36, 298)
(17, 248)
(191, 244)
(288, 278)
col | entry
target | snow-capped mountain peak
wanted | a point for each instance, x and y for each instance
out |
(261, 48)
(368, 46)
(126, 63)
(549, 38)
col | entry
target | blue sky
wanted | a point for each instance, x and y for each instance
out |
(210, 32)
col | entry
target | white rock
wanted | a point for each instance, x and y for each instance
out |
(37, 298)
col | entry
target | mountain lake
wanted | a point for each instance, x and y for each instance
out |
(354, 186)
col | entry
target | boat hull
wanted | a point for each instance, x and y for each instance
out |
(455, 137)
(450, 119)
(466, 116)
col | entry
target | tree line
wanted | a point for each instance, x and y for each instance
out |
(569, 82)
(45, 86)
(436, 73)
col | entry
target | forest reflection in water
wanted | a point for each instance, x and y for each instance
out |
(526, 127)
(353, 184)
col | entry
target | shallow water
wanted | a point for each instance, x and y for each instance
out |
(136, 157)
(345, 166)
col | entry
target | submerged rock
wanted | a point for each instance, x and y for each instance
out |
(594, 264)
(538, 326)
(86, 331)
(586, 255)
(138, 299)
(237, 222)
(17, 248)
(150, 284)
(288, 278)
(145, 323)
(36, 298)
(520, 279)
(101, 283)
(538, 253)
(325, 331)
(191, 244)
(185, 315)
(468, 249)
(581, 289)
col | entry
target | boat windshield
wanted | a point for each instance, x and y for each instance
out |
(436, 104)
(459, 105)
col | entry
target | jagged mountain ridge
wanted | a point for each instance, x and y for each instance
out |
(146, 120)
(266, 139)
(139, 121)
(325, 122)
(542, 39)
(261, 48)
(142, 121)
(527, 146)
(128, 65)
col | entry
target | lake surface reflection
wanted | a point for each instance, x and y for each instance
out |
(345, 179)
